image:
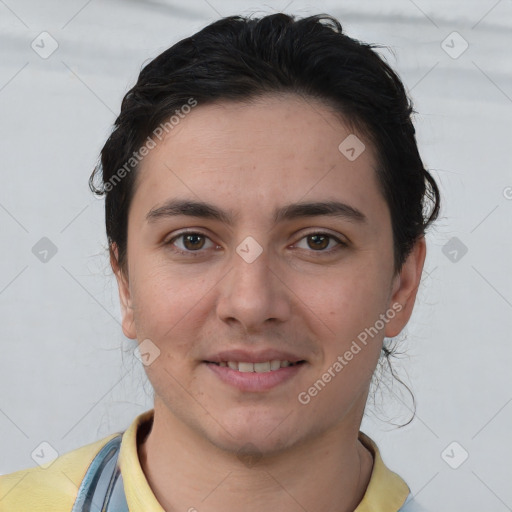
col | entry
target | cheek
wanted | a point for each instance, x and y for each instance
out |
(346, 300)
(350, 306)
(167, 305)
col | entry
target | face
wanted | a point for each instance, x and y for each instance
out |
(232, 276)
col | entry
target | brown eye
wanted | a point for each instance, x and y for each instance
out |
(193, 241)
(321, 243)
(187, 243)
(318, 241)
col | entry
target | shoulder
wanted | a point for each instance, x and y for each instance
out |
(53, 489)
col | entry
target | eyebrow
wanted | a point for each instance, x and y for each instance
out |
(176, 207)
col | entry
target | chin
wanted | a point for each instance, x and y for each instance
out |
(256, 435)
(253, 446)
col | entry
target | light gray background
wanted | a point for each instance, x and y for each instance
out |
(67, 374)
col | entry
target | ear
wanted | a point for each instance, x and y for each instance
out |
(405, 287)
(127, 322)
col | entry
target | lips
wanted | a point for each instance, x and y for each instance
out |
(262, 367)
(253, 381)
(262, 356)
(254, 371)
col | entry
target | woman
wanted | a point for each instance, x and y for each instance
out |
(266, 207)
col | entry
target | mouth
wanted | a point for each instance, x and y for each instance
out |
(261, 367)
(255, 377)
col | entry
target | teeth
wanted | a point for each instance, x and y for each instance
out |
(262, 367)
(245, 367)
(275, 364)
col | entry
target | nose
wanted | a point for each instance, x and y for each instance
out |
(253, 294)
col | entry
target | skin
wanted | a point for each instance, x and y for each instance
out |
(250, 159)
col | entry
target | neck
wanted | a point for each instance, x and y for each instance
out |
(186, 472)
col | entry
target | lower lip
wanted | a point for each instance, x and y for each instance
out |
(252, 381)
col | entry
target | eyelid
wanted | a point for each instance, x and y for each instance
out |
(339, 241)
(170, 241)
(323, 231)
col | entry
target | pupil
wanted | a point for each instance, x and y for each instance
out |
(319, 241)
(193, 239)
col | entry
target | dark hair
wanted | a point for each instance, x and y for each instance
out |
(238, 59)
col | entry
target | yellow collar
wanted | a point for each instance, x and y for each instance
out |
(386, 491)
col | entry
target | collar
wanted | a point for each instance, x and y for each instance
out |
(386, 491)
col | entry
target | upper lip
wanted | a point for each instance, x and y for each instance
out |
(261, 356)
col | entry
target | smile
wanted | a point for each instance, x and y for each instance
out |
(263, 367)
(255, 377)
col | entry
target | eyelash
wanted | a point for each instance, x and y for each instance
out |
(340, 243)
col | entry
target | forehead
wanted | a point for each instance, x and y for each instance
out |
(258, 154)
